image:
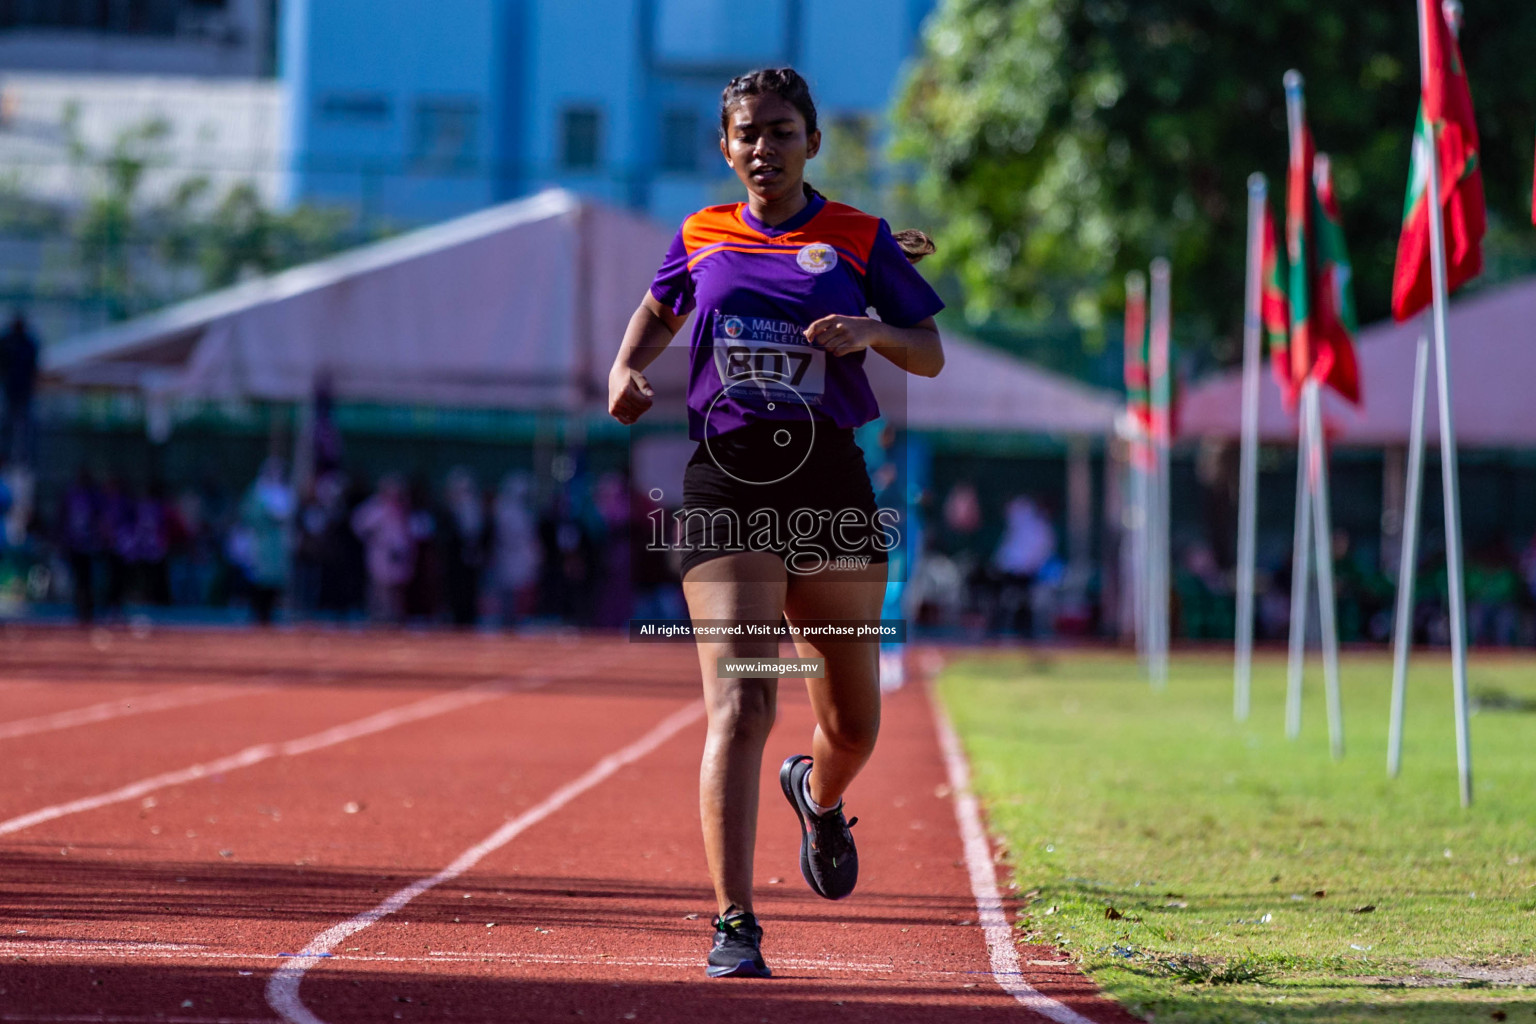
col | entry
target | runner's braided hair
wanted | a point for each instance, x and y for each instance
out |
(789, 86)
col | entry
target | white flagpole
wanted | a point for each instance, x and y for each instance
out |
(1300, 584)
(1136, 299)
(1162, 439)
(1140, 587)
(1407, 562)
(1300, 565)
(1248, 485)
(1322, 531)
(1449, 477)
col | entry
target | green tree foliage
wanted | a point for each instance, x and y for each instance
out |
(1063, 142)
(242, 237)
(127, 245)
(105, 229)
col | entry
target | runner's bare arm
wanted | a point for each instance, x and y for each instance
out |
(650, 330)
(916, 349)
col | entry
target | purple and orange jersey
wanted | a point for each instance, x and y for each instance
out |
(757, 288)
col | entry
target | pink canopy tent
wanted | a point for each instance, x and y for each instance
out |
(1493, 380)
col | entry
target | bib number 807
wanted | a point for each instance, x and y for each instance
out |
(773, 363)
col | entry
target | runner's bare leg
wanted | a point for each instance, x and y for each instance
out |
(847, 700)
(740, 713)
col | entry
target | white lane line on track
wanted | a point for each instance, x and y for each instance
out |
(978, 859)
(266, 751)
(96, 1018)
(119, 709)
(283, 988)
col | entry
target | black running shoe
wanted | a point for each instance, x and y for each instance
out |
(828, 860)
(736, 953)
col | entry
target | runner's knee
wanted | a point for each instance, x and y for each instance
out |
(744, 709)
(852, 736)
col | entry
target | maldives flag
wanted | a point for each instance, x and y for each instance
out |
(1274, 307)
(1335, 288)
(1138, 381)
(1445, 114)
(1319, 343)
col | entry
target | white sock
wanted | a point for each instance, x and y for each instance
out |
(816, 808)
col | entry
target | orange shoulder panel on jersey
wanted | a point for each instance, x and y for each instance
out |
(714, 225)
(840, 226)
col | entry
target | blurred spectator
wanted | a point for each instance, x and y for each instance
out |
(936, 593)
(18, 373)
(116, 528)
(1493, 593)
(1363, 595)
(193, 562)
(343, 558)
(147, 532)
(615, 597)
(569, 560)
(7, 505)
(962, 514)
(1027, 546)
(1272, 600)
(516, 558)
(424, 589)
(80, 535)
(658, 593)
(1205, 606)
(309, 548)
(327, 438)
(1528, 568)
(383, 524)
(466, 537)
(260, 542)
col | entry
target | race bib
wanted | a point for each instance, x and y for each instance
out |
(769, 359)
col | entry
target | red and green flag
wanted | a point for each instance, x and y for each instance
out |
(1335, 288)
(1445, 115)
(1138, 378)
(1274, 307)
(1320, 344)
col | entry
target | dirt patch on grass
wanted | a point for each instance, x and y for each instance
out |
(1448, 972)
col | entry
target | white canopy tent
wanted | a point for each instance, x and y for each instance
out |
(501, 308)
(1493, 371)
(519, 306)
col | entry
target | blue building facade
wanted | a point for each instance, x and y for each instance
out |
(416, 110)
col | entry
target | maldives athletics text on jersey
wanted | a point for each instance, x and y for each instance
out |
(761, 361)
(758, 287)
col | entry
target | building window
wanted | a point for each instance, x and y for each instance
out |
(713, 34)
(581, 139)
(127, 17)
(444, 136)
(354, 106)
(680, 141)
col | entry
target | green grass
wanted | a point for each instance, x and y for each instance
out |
(1239, 864)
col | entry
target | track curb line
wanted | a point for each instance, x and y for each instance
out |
(1006, 970)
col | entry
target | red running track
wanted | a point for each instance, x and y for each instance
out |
(340, 768)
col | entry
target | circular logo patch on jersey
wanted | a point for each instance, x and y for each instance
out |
(817, 258)
(733, 326)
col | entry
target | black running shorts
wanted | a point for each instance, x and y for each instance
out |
(797, 489)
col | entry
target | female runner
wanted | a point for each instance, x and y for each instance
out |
(779, 520)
